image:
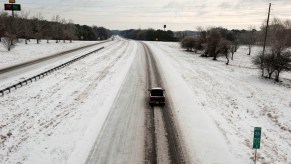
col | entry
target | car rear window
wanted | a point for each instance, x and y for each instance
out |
(157, 93)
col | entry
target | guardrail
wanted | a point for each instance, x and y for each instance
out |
(43, 74)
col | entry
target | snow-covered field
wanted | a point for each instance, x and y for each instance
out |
(235, 99)
(217, 106)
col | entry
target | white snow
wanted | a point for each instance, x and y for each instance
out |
(83, 148)
(218, 106)
(57, 119)
(32, 50)
(8, 79)
(48, 118)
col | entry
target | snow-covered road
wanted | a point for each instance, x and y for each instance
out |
(135, 132)
(121, 139)
(96, 110)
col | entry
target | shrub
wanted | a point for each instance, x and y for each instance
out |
(188, 43)
(273, 63)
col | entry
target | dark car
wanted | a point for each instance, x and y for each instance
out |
(156, 96)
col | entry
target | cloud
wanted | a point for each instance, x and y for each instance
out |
(174, 5)
(203, 6)
(182, 14)
(266, 1)
(224, 5)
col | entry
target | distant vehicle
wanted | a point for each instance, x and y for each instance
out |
(156, 96)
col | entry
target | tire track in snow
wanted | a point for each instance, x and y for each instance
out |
(120, 139)
(174, 147)
(150, 135)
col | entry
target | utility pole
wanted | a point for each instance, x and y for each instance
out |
(266, 33)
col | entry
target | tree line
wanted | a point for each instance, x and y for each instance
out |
(218, 41)
(148, 34)
(36, 27)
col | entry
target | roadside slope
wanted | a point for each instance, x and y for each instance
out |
(202, 137)
(219, 106)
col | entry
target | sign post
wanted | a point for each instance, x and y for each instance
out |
(257, 140)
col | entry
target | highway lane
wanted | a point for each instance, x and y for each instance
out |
(135, 132)
(168, 144)
(121, 139)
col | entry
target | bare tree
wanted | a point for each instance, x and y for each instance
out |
(282, 63)
(258, 61)
(201, 43)
(57, 29)
(12, 30)
(202, 35)
(3, 17)
(27, 27)
(273, 64)
(268, 63)
(287, 24)
(8, 42)
(64, 30)
(188, 43)
(249, 38)
(71, 30)
(265, 62)
(234, 45)
(213, 41)
(48, 32)
(279, 33)
(278, 36)
(224, 49)
(38, 26)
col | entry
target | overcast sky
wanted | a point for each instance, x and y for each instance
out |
(176, 14)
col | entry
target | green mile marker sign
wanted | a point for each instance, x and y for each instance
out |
(257, 138)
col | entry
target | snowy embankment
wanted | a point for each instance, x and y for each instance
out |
(14, 77)
(32, 50)
(218, 106)
(44, 121)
